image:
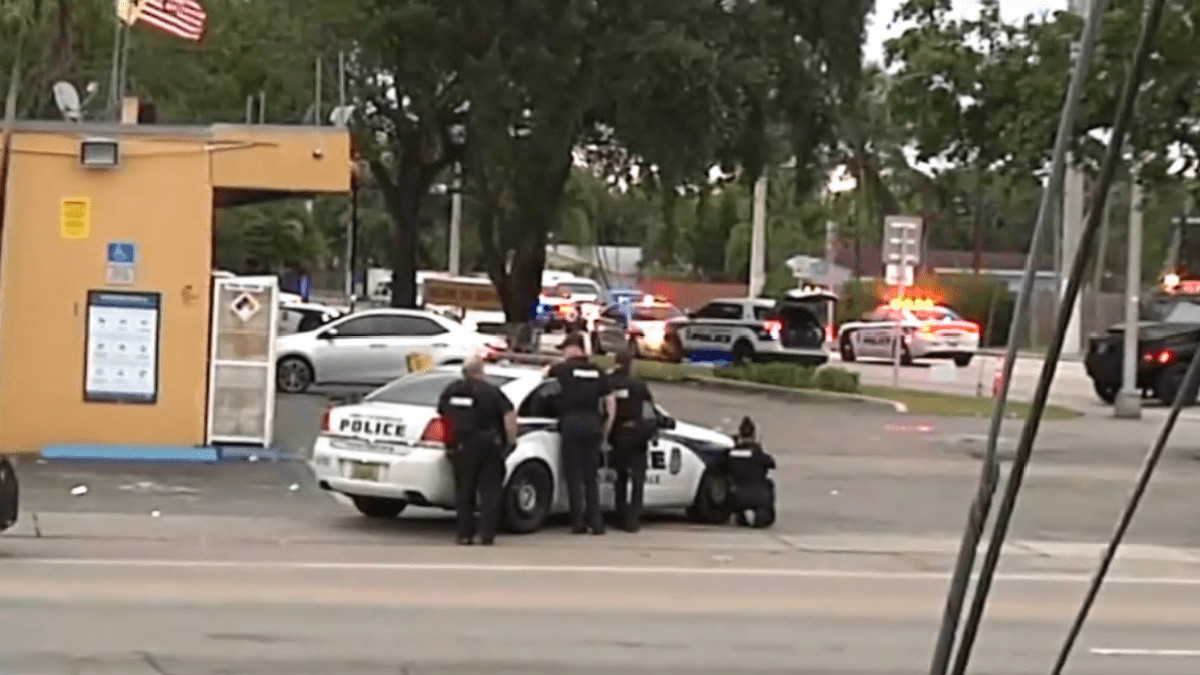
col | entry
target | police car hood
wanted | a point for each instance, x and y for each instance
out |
(380, 422)
(706, 436)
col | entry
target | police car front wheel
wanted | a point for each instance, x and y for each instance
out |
(378, 507)
(527, 498)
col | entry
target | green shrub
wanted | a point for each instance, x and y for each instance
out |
(832, 378)
(658, 371)
(777, 374)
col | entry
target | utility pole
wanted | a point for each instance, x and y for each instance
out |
(1129, 399)
(1072, 219)
(455, 222)
(758, 237)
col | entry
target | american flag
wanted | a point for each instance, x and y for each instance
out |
(182, 18)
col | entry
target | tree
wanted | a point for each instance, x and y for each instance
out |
(408, 71)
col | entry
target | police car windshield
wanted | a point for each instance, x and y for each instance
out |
(934, 314)
(661, 313)
(422, 389)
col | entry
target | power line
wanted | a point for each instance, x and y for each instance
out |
(989, 476)
(1112, 158)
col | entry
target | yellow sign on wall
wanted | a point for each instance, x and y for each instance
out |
(75, 220)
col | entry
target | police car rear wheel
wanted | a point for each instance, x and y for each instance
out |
(712, 500)
(743, 352)
(527, 498)
(378, 507)
(293, 375)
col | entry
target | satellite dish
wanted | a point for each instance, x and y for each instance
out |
(340, 116)
(67, 99)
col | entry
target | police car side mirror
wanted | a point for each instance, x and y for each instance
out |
(329, 334)
(666, 422)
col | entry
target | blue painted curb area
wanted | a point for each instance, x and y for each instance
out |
(150, 453)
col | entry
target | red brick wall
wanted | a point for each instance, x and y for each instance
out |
(688, 295)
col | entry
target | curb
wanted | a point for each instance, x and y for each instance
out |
(177, 454)
(797, 394)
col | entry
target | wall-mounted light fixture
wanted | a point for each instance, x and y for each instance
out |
(99, 153)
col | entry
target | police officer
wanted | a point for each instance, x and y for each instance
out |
(630, 435)
(582, 427)
(482, 421)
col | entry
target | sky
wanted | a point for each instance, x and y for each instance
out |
(1011, 10)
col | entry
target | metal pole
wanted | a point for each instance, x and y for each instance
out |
(1129, 398)
(352, 240)
(250, 109)
(317, 95)
(262, 107)
(1095, 212)
(897, 331)
(758, 236)
(124, 69)
(456, 222)
(978, 514)
(114, 82)
(830, 245)
(341, 79)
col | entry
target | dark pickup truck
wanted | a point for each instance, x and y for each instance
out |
(1166, 344)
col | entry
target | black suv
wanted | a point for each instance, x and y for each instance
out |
(1168, 336)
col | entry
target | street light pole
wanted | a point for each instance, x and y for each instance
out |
(456, 222)
(758, 237)
(1129, 399)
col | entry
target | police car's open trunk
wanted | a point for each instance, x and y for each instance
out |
(804, 316)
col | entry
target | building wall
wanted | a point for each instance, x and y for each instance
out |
(160, 199)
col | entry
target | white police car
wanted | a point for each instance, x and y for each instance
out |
(387, 452)
(792, 328)
(926, 330)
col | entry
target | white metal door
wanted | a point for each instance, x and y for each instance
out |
(241, 378)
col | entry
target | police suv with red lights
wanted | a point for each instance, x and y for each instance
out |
(388, 452)
(926, 330)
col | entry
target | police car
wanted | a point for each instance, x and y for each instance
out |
(792, 328)
(388, 452)
(641, 326)
(927, 330)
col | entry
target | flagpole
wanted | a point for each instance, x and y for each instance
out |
(124, 70)
(114, 97)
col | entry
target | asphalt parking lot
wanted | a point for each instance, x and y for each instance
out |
(843, 469)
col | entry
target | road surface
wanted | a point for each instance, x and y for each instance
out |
(250, 568)
(353, 611)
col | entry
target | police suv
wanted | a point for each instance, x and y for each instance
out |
(388, 451)
(792, 328)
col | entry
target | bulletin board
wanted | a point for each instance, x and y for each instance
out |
(121, 347)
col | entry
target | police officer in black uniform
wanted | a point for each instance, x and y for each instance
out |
(482, 422)
(631, 434)
(583, 427)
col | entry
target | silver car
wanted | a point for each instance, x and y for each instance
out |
(374, 347)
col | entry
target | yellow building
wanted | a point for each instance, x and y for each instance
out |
(98, 215)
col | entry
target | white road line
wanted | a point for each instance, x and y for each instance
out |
(575, 569)
(1175, 653)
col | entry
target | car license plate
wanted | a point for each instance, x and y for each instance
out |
(365, 471)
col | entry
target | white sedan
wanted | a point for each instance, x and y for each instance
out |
(374, 347)
(387, 452)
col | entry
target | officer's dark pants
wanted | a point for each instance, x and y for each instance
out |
(581, 437)
(478, 470)
(629, 459)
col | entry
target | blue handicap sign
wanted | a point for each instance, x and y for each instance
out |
(122, 252)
